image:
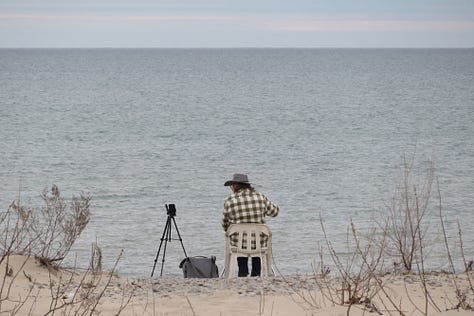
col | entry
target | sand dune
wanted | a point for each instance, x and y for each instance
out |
(30, 288)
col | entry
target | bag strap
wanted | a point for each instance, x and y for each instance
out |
(213, 260)
(187, 259)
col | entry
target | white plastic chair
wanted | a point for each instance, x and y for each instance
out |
(245, 249)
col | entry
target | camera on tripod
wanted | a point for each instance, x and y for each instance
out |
(171, 210)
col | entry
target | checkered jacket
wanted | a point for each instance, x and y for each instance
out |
(247, 206)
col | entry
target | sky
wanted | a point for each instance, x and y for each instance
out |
(237, 23)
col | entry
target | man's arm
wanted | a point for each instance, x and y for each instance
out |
(271, 208)
(225, 223)
(225, 217)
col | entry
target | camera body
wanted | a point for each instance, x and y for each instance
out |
(171, 210)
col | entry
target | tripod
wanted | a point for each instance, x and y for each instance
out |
(171, 211)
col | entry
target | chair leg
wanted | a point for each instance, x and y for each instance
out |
(232, 267)
(263, 261)
(266, 265)
(270, 271)
(226, 266)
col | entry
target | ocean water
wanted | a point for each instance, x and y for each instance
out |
(321, 132)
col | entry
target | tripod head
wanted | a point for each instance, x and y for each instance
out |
(171, 210)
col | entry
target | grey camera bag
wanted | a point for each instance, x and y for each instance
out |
(199, 267)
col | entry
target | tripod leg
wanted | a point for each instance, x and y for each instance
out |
(168, 238)
(163, 238)
(179, 236)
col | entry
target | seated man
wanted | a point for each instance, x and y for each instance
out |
(246, 205)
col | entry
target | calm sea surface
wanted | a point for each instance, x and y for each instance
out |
(319, 131)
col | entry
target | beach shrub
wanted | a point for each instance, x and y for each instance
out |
(47, 233)
(405, 222)
(360, 273)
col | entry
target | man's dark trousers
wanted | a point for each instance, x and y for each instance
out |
(244, 269)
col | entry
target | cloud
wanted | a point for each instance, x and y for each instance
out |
(181, 18)
(372, 25)
(79, 17)
(38, 17)
(202, 29)
(275, 23)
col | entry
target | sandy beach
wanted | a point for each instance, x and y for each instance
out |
(30, 288)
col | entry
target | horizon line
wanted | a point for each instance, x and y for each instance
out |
(236, 47)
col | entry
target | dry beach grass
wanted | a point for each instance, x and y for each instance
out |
(31, 288)
(368, 280)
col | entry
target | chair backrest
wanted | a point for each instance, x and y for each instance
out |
(249, 238)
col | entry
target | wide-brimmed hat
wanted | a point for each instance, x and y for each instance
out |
(238, 178)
